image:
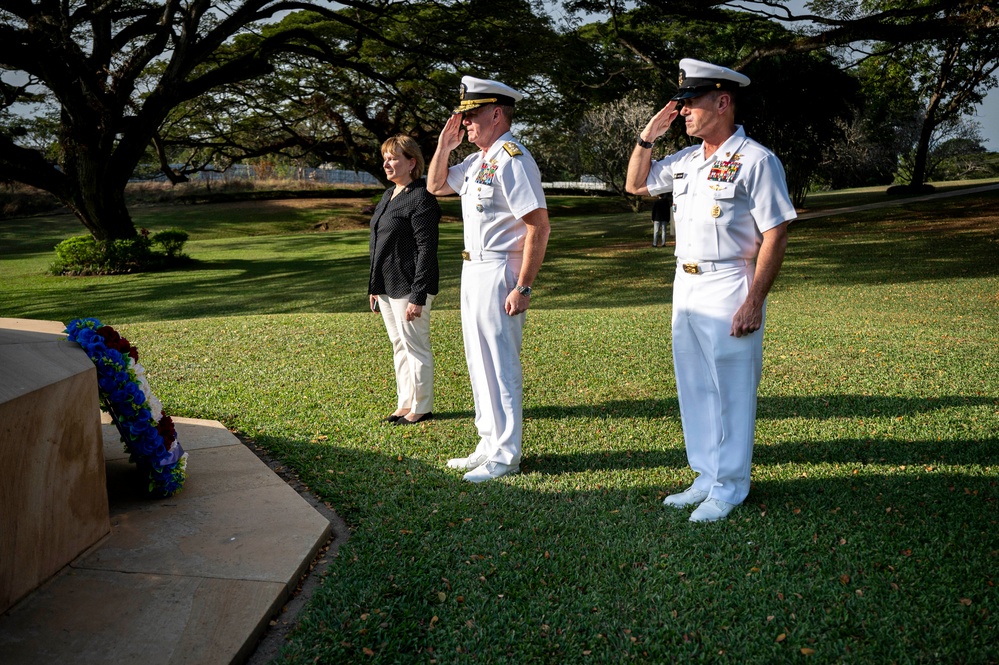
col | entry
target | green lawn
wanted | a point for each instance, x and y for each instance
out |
(870, 534)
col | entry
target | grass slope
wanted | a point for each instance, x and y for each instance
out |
(869, 535)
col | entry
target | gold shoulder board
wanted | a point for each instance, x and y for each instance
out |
(512, 148)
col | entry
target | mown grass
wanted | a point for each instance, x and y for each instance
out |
(870, 532)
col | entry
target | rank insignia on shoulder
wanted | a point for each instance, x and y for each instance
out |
(512, 149)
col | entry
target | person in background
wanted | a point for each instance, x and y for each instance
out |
(405, 274)
(506, 232)
(660, 220)
(731, 209)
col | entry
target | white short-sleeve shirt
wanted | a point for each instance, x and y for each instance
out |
(497, 189)
(723, 204)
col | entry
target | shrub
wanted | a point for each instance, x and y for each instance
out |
(128, 255)
(172, 241)
(76, 252)
(84, 255)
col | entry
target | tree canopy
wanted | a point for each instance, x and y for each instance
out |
(116, 69)
(189, 83)
(403, 81)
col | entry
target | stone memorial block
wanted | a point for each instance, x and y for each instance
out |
(53, 495)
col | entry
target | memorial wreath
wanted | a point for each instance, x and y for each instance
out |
(148, 434)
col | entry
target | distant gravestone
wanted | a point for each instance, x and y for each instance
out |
(53, 494)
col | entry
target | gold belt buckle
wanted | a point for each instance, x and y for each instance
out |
(466, 255)
(691, 268)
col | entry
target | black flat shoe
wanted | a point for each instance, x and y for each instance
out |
(392, 419)
(423, 417)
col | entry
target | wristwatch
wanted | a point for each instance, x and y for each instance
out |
(648, 145)
(524, 290)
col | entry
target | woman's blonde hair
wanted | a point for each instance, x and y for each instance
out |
(408, 148)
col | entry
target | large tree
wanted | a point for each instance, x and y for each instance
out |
(638, 50)
(115, 69)
(405, 80)
(951, 76)
(954, 39)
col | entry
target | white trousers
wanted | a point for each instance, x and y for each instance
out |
(492, 349)
(717, 376)
(414, 359)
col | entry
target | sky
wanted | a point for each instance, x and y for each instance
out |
(988, 115)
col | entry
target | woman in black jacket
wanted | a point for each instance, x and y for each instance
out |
(404, 275)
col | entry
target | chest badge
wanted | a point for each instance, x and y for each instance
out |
(487, 173)
(716, 211)
(478, 207)
(724, 171)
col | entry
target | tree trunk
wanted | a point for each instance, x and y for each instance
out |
(922, 154)
(96, 193)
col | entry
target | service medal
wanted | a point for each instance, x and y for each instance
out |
(716, 211)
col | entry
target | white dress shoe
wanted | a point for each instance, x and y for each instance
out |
(466, 463)
(711, 510)
(490, 471)
(688, 497)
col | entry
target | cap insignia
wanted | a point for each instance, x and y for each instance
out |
(512, 149)
(461, 91)
(683, 75)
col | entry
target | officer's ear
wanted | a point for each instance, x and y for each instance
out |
(723, 101)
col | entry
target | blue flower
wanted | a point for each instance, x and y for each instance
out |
(124, 398)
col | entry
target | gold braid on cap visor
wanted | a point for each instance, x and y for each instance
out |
(469, 104)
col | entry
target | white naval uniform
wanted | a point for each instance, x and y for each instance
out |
(722, 206)
(497, 189)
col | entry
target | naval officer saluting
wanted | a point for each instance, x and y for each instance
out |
(506, 232)
(731, 210)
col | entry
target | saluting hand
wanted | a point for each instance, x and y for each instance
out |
(452, 134)
(660, 122)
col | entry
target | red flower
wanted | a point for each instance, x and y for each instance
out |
(167, 430)
(109, 334)
(113, 340)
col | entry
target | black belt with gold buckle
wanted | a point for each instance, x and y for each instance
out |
(691, 268)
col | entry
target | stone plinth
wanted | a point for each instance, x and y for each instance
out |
(53, 495)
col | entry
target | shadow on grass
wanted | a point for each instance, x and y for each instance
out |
(601, 261)
(857, 453)
(772, 408)
(544, 573)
